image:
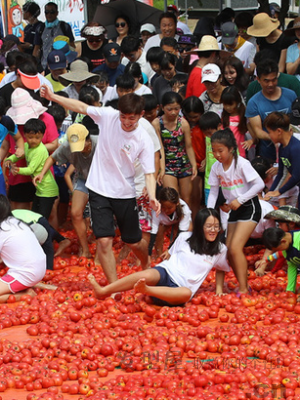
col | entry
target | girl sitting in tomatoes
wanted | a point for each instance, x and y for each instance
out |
(176, 280)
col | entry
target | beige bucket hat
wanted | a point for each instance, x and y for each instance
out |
(209, 43)
(263, 25)
(79, 71)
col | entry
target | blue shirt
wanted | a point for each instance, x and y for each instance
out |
(259, 105)
(112, 73)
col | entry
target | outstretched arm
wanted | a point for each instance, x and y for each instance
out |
(71, 104)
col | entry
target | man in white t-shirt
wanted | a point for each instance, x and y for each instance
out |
(111, 178)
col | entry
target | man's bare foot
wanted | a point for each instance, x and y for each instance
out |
(99, 292)
(140, 286)
(62, 246)
(84, 253)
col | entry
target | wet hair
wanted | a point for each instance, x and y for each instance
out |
(5, 209)
(32, 7)
(169, 41)
(229, 96)
(261, 166)
(277, 120)
(171, 98)
(192, 104)
(242, 78)
(272, 237)
(154, 54)
(209, 120)
(168, 14)
(170, 194)
(89, 95)
(103, 76)
(51, 4)
(166, 60)
(135, 70)
(131, 103)
(129, 44)
(244, 20)
(150, 102)
(125, 81)
(266, 67)
(34, 125)
(197, 240)
(91, 126)
(58, 113)
(227, 139)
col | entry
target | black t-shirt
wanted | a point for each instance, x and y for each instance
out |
(95, 56)
(283, 42)
(29, 32)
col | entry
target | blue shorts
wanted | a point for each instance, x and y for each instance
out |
(80, 186)
(165, 280)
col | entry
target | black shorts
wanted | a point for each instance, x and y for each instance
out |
(103, 210)
(22, 192)
(249, 211)
(164, 280)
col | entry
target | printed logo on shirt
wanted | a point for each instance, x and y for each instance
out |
(231, 185)
(284, 111)
(286, 162)
(126, 148)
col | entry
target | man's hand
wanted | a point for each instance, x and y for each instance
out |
(155, 205)
(46, 92)
(37, 179)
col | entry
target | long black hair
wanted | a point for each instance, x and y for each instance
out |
(5, 209)
(197, 241)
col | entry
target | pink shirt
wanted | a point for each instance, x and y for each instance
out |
(234, 126)
(50, 134)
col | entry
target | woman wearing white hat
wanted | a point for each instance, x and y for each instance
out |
(265, 29)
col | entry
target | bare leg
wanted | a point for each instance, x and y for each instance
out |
(173, 296)
(5, 292)
(20, 206)
(140, 249)
(106, 258)
(79, 201)
(170, 181)
(237, 236)
(41, 285)
(185, 189)
(151, 276)
(62, 246)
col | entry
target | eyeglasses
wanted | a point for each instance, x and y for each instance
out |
(50, 12)
(215, 228)
(122, 24)
(182, 49)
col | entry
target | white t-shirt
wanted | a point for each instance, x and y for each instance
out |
(164, 219)
(145, 66)
(245, 53)
(263, 223)
(110, 94)
(21, 252)
(235, 182)
(112, 170)
(143, 90)
(188, 269)
(139, 179)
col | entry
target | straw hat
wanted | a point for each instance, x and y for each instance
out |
(285, 214)
(291, 31)
(24, 107)
(209, 43)
(79, 71)
(263, 25)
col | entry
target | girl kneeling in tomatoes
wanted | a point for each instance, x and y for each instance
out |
(176, 280)
(22, 254)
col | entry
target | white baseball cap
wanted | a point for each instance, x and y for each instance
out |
(210, 73)
(148, 27)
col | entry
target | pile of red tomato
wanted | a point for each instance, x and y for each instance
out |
(214, 348)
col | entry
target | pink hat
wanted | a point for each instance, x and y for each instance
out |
(24, 107)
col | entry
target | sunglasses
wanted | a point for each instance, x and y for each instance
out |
(182, 49)
(122, 24)
(50, 12)
(94, 40)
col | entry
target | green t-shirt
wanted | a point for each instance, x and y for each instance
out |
(35, 159)
(27, 216)
(209, 160)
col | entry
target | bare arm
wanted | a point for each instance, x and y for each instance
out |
(37, 51)
(52, 146)
(4, 149)
(162, 168)
(71, 104)
(68, 178)
(282, 60)
(256, 127)
(19, 144)
(48, 164)
(291, 67)
(151, 187)
(78, 49)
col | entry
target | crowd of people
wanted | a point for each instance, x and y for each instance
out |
(148, 129)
